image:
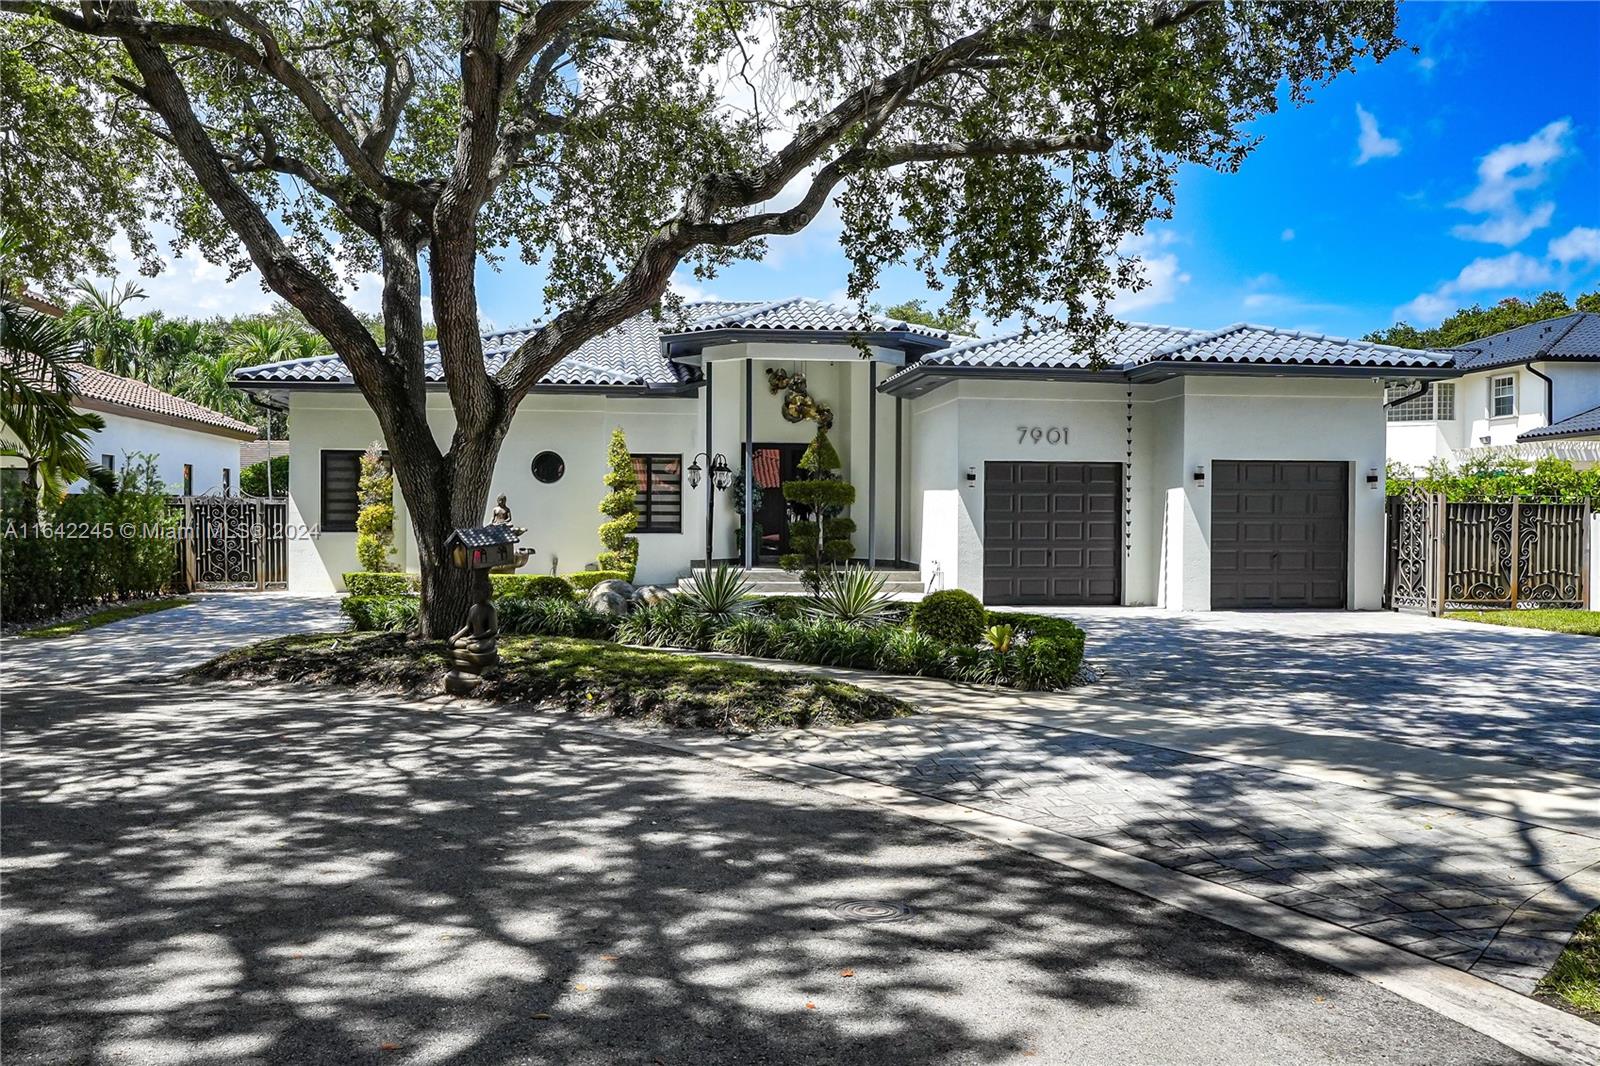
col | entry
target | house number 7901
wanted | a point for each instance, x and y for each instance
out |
(1041, 434)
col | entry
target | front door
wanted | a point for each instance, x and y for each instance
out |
(775, 464)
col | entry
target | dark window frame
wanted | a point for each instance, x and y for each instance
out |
(649, 501)
(188, 479)
(355, 509)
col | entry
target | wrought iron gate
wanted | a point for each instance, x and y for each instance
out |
(1501, 553)
(232, 542)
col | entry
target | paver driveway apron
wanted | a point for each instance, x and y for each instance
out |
(1482, 886)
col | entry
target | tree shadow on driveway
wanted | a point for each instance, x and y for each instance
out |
(241, 874)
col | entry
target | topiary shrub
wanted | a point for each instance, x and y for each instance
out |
(375, 521)
(951, 616)
(529, 586)
(584, 580)
(622, 551)
(389, 583)
(818, 536)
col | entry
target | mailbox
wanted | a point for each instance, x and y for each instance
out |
(483, 547)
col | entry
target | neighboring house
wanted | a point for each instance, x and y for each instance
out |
(1192, 469)
(256, 451)
(195, 448)
(1532, 391)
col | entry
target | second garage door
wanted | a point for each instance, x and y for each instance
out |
(1278, 534)
(1052, 533)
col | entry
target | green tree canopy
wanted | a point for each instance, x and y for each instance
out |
(1007, 150)
(914, 311)
(1476, 322)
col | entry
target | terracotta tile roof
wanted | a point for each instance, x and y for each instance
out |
(101, 387)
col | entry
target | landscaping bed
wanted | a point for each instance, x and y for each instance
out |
(848, 624)
(1574, 981)
(1552, 619)
(593, 676)
(72, 625)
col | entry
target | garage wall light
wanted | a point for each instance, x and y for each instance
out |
(1372, 478)
(1199, 477)
(972, 475)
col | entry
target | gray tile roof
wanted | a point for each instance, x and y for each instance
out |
(1582, 424)
(804, 313)
(1567, 337)
(1136, 345)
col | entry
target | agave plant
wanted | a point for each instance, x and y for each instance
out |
(1000, 638)
(718, 593)
(852, 594)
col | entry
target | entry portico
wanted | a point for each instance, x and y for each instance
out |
(1164, 466)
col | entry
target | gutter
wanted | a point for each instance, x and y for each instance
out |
(1420, 390)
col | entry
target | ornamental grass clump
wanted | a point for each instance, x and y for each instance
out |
(854, 594)
(621, 551)
(552, 616)
(718, 593)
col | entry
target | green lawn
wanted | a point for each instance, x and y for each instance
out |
(1556, 620)
(682, 690)
(77, 625)
(1575, 978)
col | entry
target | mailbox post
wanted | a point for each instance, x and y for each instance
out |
(475, 645)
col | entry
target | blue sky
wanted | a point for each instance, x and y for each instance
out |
(1465, 173)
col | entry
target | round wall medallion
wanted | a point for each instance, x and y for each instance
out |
(548, 467)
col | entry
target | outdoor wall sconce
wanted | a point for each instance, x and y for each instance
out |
(721, 472)
(1372, 478)
(972, 476)
(1199, 477)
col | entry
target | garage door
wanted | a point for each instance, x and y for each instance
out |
(1052, 533)
(1278, 534)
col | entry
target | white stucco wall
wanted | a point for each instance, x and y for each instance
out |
(562, 518)
(1577, 387)
(1285, 419)
(173, 446)
(1178, 425)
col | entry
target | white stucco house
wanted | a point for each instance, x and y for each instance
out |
(196, 449)
(1190, 469)
(1530, 392)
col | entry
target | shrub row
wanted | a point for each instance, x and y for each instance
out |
(549, 616)
(1048, 655)
(89, 558)
(385, 584)
(366, 583)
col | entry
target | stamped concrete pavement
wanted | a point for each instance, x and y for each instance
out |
(210, 873)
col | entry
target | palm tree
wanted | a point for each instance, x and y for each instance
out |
(205, 381)
(263, 342)
(99, 318)
(41, 426)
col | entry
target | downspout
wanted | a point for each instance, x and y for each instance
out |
(1549, 394)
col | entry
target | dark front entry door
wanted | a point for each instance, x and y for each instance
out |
(1052, 533)
(775, 464)
(1278, 534)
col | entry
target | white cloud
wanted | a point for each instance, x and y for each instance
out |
(1580, 245)
(1162, 273)
(1511, 169)
(685, 287)
(1288, 234)
(1372, 144)
(1511, 226)
(1511, 271)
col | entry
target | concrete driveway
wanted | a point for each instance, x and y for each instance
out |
(233, 874)
(1516, 694)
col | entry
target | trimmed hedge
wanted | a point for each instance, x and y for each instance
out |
(366, 583)
(1048, 654)
(527, 586)
(951, 616)
(550, 616)
(584, 580)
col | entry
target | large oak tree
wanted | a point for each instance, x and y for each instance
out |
(1010, 148)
